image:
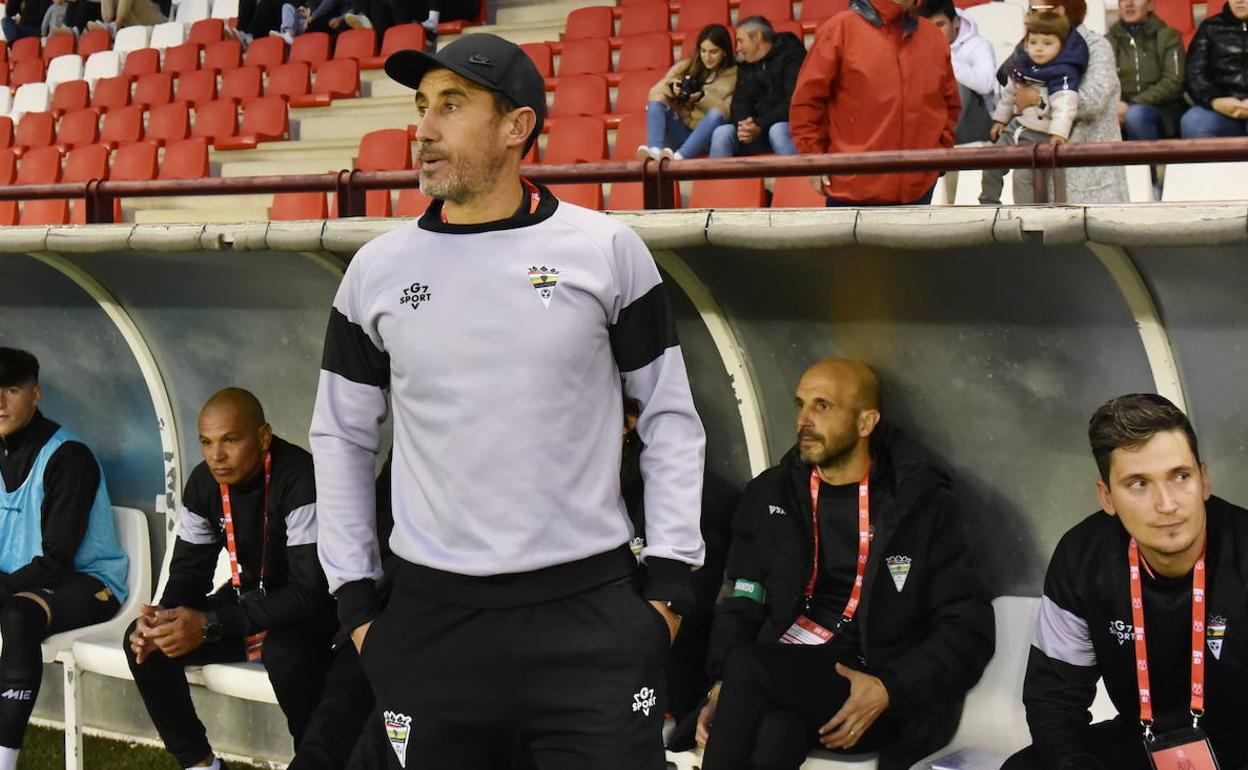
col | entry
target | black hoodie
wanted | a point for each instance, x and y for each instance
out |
(928, 642)
(765, 87)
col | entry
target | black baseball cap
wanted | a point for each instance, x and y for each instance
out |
(487, 60)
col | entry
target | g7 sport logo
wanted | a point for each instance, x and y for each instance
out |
(644, 700)
(415, 294)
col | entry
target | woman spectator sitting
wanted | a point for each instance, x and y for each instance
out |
(692, 100)
(1217, 75)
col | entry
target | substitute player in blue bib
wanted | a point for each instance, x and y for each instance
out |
(61, 565)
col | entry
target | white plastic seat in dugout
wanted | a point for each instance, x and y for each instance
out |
(31, 97)
(1205, 182)
(225, 9)
(63, 69)
(191, 11)
(101, 64)
(167, 35)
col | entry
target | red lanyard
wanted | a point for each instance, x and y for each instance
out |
(864, 542)
(231, 547)
(535, 198)
(1141, 649)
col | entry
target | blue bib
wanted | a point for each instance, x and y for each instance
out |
(21, 527)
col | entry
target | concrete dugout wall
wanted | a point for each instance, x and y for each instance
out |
(996, 332)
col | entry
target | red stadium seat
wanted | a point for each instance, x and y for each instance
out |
(78, 128)
(288, 207)
(195, 87)
(795, 192)
(789, 25)
(26, 71)
(265, 52)
(111, 93)
(581, 57)
(169, 123)
(1214, 7)
(650, 16)
(36, 129)
(287, 80)
(335, 79)
(24, 49)
(153, 90)
(634, 91)
(356, 44)
(216, 120)
(388, 149)
(650, 50)
(206, 31)
(815, 11)
(542, 57)
(412, 202)
(134, 163)
(181, 58)
(241, 84)
(311, 47)
(581, 95)
(70, 95)
(223, 55)
(40, 165)
(6, 134)
(264, 120)
(696, 14)
(728, 194)
(144, 61)
(4, 51)
(94, 41)
(8, 166)
(60, 44)
(589, 23)
(771, 10)
(185, 160)
(577, 140)
(628, 196)
(45, 212)
(83, 165)
(398, 38)
(1177, 14)
(122, 126)
(586, 195)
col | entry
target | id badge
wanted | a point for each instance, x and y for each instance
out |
(255, 643)
(1186, 749)
(806, 631)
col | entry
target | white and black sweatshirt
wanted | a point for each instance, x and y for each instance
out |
(501, 348)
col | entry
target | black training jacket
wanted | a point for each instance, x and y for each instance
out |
(296, 590)
(1217, 60)
(1084, 633)
(765, 87)
(928, 642)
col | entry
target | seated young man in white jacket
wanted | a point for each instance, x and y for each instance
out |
(974, 66)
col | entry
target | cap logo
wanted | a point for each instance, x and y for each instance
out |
(477, 58)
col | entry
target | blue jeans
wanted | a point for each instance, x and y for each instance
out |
(1143, 121)
(1203, 122)
(724, 143)
(664, 128)
(291, 20)
(14, 32)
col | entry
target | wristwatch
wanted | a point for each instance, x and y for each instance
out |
(212, 626)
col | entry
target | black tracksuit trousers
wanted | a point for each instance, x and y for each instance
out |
(296, 657)
(566, 684)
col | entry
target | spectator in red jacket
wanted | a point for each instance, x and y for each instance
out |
(877, 78)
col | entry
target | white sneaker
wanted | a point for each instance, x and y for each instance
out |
(645, 153)
(667, 152)
(284, 35)
(677, 156)
(357, 21)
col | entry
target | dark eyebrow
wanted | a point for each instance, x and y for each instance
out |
(445, 92)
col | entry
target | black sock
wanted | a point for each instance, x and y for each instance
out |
(23, 625)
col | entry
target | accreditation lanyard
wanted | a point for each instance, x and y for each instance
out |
(535, 198)
(864, 543)
(1141, 649)
(231, 545)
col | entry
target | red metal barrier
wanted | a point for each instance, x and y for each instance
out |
(657, 176)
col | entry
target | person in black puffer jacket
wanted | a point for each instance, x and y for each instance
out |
(1217, 75)
(766, 76)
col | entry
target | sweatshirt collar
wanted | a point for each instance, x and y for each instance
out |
(431, 220)
(37, 428)
(881, 13)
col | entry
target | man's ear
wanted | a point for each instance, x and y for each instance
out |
(1102, 495)
(1206, 484)
(520, 124)
(38, 391)
(266, 437)
(867, 420)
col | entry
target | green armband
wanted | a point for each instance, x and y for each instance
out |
(748, 589)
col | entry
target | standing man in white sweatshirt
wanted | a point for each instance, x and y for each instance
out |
(500, 328)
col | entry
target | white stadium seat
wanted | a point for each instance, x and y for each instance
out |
(167, 35)
(102, 64)
(32, 97)
(1139, 184)
(63, 69)
(225, 9)
(966, 192)
(1205, 182)
(1001, 23)
(131, 39)
(6, 100)
(191, 11)
(1095, 20)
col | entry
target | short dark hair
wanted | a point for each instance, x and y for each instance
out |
(1049, 23)
(760, 24)
(931, 8)
(1127, 422)
(18, 367)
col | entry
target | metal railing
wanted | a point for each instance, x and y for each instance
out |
(658, 177)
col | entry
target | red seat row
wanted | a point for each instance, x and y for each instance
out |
(387, 149)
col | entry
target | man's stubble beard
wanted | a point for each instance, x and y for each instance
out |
(466, 179)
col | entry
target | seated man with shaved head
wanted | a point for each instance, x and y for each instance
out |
(857, 617)
(253, 495)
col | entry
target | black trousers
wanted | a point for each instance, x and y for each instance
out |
(296, 657)
(567, 684)
(79, 600)
(775, 697)
(335, 727)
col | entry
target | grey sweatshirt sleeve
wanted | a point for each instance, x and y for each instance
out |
(351, 405)
(643, 341)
